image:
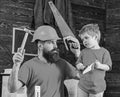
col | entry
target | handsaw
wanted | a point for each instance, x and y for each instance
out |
(64, 28)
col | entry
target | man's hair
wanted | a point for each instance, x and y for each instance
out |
(91, 29)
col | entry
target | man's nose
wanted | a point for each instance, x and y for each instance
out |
(55, 45)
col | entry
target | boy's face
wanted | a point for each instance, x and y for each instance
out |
(88, 40)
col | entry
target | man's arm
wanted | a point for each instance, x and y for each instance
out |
(13, 83)
(71, 71)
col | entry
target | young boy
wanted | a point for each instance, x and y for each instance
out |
(92, 83)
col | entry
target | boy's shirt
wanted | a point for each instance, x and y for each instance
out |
(93, 81)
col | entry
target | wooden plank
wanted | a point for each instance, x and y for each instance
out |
(5, 51)
(112, 27)
(93, 13)
(115, 67)
(16, 14)
(5, 29)
(113, 84)
(115, 11)
(113, 77)
(111, 94)
(112, 41)
(16, 10)
(18, 3)
(113, 16)
(10, 23)
(16, 18)
(79, 22)
(91, 3)
(115, 57)
(112, 4)
(112, 21)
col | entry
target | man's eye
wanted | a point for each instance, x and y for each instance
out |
(51, 42)
(48, 42)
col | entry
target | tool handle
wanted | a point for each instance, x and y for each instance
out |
(21, 49)
(24, 41)
(67, 44)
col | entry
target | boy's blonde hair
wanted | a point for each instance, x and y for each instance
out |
(91, 29)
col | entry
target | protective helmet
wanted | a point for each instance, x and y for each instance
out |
(45, 33)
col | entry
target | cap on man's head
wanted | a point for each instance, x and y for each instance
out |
(45, 32)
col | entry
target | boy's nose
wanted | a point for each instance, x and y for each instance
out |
(84, 41)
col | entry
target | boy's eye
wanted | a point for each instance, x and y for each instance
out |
(86, 37)
(82, 39)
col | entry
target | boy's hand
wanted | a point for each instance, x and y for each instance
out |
(18, 57)
(80, 66)
(97, 64)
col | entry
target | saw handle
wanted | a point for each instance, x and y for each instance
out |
(67, 44)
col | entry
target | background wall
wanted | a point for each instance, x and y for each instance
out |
(112, 38)
(17, 13)
(13, 13)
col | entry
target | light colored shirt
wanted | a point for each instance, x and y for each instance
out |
(49, 76)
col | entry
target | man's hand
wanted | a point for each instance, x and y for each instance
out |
(13, 83)
(18, 57)
(74, 46)
(80, 66)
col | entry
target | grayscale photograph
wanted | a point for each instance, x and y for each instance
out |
(59, 48)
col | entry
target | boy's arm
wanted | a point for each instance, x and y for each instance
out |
(106, 65)
(101, 66)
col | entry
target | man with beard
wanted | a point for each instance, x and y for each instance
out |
(47, 71)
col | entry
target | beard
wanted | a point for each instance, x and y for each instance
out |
(51, 56)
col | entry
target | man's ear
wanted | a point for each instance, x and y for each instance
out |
(40, 45)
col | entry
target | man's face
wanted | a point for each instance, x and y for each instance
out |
(49, 45)
(50, 51)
